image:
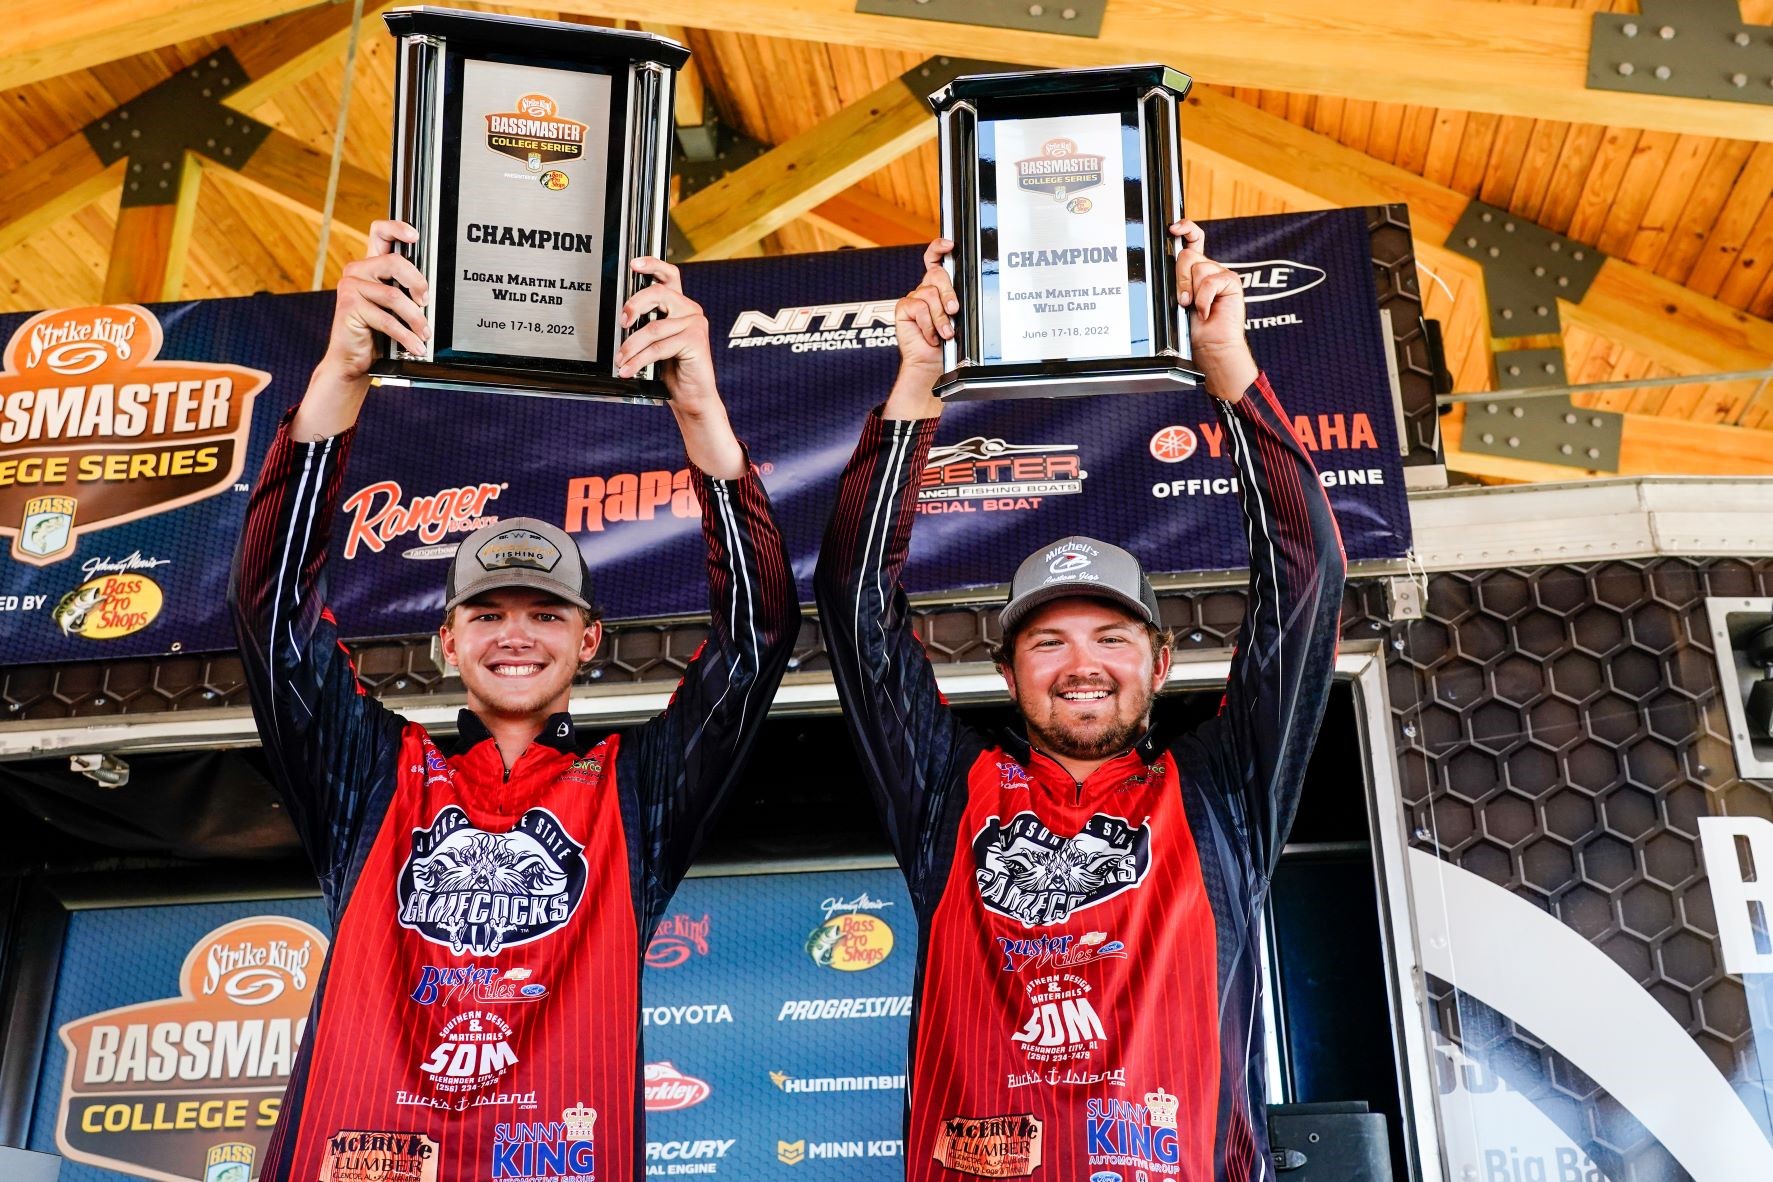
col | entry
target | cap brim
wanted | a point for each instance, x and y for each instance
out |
(524, 577)
(1017, 609)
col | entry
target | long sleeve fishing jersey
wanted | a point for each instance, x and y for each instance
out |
(1087, 1001)
(478, 1014)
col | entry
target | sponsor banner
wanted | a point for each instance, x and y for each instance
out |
(184, 1088)
(124, 472)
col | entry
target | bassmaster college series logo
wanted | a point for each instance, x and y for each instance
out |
(187, 1089)
(536, 133)
(95, 432)
(984, 473)
(1059, 171)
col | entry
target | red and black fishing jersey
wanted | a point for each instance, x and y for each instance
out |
(1088, 987)
(478, 1014)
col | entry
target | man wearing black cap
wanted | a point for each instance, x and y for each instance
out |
(478, 1014)
(1088, 889)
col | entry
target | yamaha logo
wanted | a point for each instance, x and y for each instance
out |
(1172, 445)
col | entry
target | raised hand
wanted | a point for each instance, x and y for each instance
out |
(923, 320)
(1214, 296)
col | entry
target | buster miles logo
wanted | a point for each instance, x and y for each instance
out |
(95, 432)
(536, 133)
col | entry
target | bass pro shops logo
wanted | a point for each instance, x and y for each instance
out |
(535, 133)
(479, 892)
(1027, 872)
(95, 432)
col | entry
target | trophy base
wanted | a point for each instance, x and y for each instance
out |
(1066, 379)
(542, 384)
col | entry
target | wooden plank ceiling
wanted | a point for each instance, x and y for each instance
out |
(1693, 209)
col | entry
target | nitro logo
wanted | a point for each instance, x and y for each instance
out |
(380, 513)
(1060, 952)
(1027, 872)
(1062, 1026)
(817, 327)
(668, 1089)
(530, 1150)
(479, 892)
(1059, 170)
(677, 939)
(1276, 279)
(1122, 1133)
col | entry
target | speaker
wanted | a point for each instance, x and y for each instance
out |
(1339, 1142)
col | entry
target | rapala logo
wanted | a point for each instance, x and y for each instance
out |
(535, 133)
(1276, 279)
(997, 474)
(380, 513)
(594, 501)
(817, 327)
(95, 432)
(668, 1089)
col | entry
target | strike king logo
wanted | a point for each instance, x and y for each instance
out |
(677, 938)
(380, 513)
(479, 892)
(1027, 872)
(109, 606)
(222, 1048)
(1059, 171)
(535, 133)
(95, 432)
(668, 1089)
(851, 940)
(997, 474)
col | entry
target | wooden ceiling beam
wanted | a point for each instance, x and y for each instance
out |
(1510, 59)
(289, 172)
(47, 38)
(859, 218)
(49, 187)
(1650, 445)
(151, 244)
(278, 54)
(1664, 321)
(792, 178)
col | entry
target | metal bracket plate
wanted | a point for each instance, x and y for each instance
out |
(710, 151)
(184, 113)
(1072, 18)
(1527, 268)
(1547, 428)
(1692, 48)
(934, 73)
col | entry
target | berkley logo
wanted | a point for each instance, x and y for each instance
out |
(668, 1089)
(1276, 279)
(594, 501)
(535, 133)
(1059, 170)
(109, 606)
(380, 513)
(222, 1047)
(95, 432)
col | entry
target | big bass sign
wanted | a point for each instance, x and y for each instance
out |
(130, 438)
(187, 1089)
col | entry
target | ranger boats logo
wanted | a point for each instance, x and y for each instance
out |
(479, 892)
(1029, 873)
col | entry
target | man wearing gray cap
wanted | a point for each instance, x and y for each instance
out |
(492, 898)
(1088, 888)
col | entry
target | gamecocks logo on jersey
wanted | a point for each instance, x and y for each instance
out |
(1031, 874)
(479, 892)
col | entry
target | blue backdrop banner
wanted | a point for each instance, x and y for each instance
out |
(129, 438)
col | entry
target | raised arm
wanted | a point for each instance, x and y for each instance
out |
(682, 764)
(903, 731)
(330, 746)
(1286, 648)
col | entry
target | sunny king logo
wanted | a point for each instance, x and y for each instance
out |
(997, 474)
(677, 938)
(381, 513)
(528, 1151)
(817, 328)
(535, 133)
(1133, 1135)
(668, 1089)
(108, 433)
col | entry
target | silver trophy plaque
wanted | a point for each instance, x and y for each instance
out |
(534, 159)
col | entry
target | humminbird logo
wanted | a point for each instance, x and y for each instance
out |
(817, 327)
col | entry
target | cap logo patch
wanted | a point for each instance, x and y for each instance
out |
(518, 548)
(1067, 563)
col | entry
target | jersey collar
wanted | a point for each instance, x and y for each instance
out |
(557, 732)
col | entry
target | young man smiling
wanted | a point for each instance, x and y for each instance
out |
(478, 1016)
(1088, 889)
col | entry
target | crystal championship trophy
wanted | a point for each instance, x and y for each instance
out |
(533, 157)
(1058, 190)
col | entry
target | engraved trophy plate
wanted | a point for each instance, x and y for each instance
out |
(1058, 189)
(534, 159)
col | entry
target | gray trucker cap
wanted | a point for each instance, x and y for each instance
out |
(1079, 566)
(518, 552)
